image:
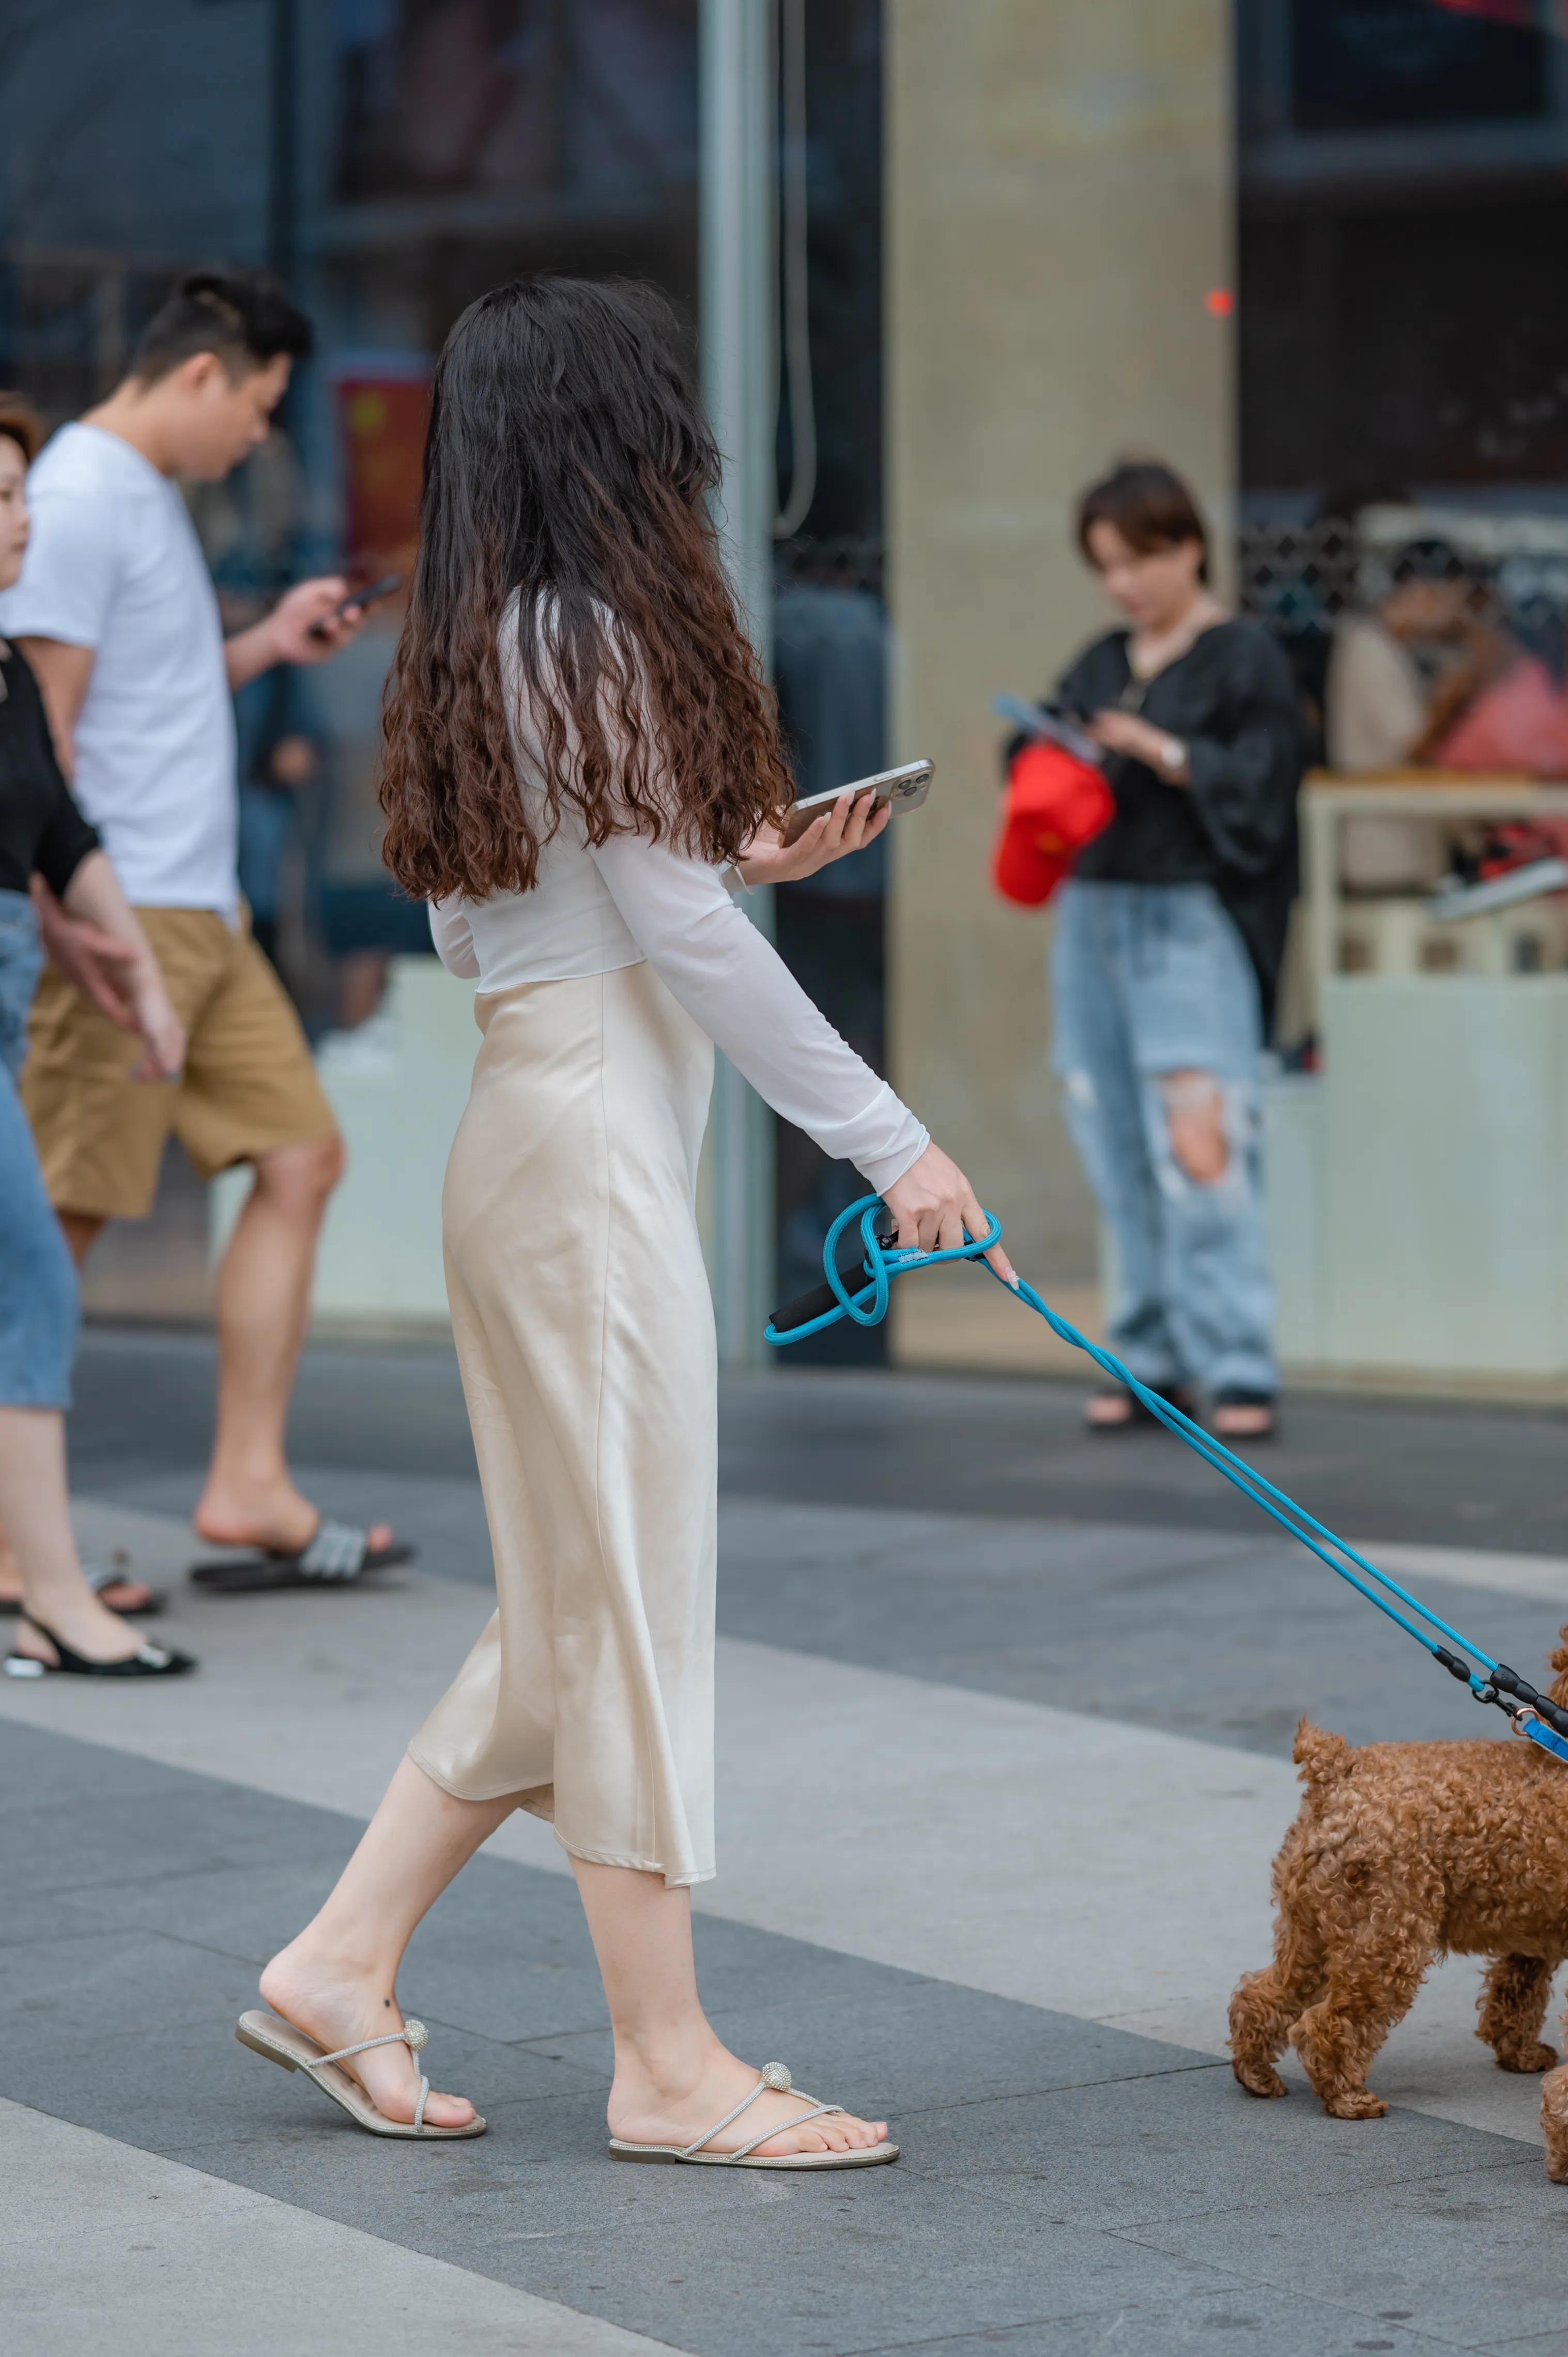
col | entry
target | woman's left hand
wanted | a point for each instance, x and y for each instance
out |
(1124, 732)
(849, 825)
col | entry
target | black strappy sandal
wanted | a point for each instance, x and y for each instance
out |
(1137, 1415)
(148, 1661)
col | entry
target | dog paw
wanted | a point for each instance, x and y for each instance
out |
(1360, 2104)
(1525, 2058)
(1259, 2079)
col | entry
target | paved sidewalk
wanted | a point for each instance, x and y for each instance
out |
(1000, 1788)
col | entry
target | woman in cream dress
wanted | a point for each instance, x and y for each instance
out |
(581, 762)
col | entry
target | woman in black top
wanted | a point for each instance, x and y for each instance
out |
(64, 1626)
(1166, 953)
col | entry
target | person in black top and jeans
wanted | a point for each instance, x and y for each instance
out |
(1166, 953)
(65, 1626)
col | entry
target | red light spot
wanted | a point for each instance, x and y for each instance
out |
(1220, 302)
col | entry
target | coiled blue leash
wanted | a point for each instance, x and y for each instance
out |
(861, 1289)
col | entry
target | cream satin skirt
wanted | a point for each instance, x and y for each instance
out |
(584, 1330)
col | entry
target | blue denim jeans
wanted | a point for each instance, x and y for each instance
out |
(21, 961)
(38, 1309)
(1150, 979)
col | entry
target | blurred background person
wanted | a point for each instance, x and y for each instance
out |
(1166, 952)
(285, 765)
(1430, 678)
(117, 614)
(1402, 675)
(65, 1628)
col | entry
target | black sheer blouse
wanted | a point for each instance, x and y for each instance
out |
(1232, 702)
(41, 829)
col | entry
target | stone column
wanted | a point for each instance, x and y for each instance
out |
(1059, 211)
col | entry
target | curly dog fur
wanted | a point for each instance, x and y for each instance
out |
(1403, 1853)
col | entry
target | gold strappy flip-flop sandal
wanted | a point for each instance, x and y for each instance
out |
(281, 2042)
(775, 2078)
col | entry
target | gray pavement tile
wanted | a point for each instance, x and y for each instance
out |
(713, 2261)
(818, 2265)
(131, 2032)
(122, 1835)
(926, 2046)
(117, 1985)
(504, 1952)
(1475, 2257)
(1228, 1637)
(1239, 2322)
(709, 2260)
(181, 2086)
(50, 1771)
(29, 1914)
(1143, 2149)
(247, 1910)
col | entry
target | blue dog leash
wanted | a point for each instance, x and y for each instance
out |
(861, 1290)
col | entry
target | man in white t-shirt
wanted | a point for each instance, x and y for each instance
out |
(116, 613)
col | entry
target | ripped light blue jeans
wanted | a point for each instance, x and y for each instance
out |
(1149, 980)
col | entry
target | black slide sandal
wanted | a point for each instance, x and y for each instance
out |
(337, 1556)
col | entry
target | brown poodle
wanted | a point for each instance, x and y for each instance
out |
(1403, 1853)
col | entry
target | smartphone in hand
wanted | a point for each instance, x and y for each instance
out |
(904, 789)
(359, 601)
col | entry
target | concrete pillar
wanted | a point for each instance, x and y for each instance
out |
(740, 378)
(1059, 207)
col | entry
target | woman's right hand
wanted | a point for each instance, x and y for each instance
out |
(934, 1206)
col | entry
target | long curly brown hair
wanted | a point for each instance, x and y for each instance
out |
(568, 461)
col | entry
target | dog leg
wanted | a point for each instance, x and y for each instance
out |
(1369, 1991)
(1267, 2005)
(1512, 2005)
(1554, 2124)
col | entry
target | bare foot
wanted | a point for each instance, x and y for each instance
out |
(644, 2113)
(1250, 1422)
(265, 1514)
(337, 2006)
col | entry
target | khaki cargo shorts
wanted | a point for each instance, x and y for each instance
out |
(247, 1087)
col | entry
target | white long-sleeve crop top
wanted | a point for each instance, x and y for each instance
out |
(597, 907)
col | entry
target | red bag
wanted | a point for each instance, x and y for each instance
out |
(1056, 804)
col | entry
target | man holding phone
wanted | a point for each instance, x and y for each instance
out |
(116, 613)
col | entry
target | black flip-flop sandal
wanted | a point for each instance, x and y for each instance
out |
(337, 1555)
(1137, 1413)
(148, 1661)
(99, 1577)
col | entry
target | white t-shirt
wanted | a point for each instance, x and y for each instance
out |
(114, 564)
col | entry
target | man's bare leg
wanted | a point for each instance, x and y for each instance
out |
(262, 1303)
